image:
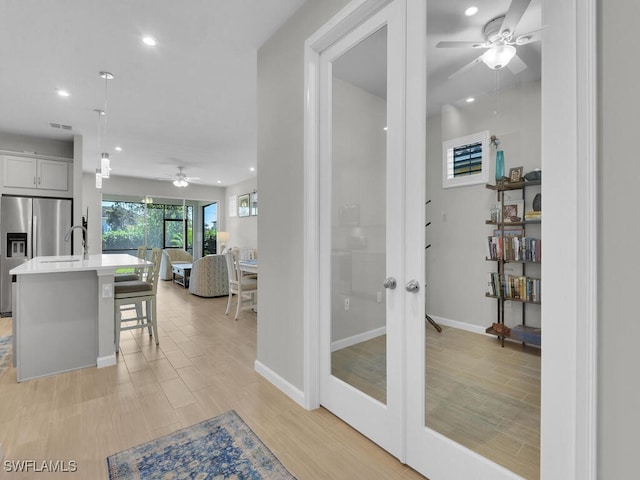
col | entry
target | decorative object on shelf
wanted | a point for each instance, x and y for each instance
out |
(533, 175)
(501, 329)
(495, 142)
(515, 174)
(499, 166)
(513, 211)
(537, 203)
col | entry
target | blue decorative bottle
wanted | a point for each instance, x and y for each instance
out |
(499, 165)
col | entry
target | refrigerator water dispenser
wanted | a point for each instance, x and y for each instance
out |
(16, 245)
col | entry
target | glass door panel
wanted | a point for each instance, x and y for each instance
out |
(362, 202)
(358, 230)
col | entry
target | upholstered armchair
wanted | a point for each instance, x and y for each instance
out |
(171, 256)
(209, 277)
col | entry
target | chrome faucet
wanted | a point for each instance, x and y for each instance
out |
(67, 237)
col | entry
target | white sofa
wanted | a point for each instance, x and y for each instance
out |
(172, 256)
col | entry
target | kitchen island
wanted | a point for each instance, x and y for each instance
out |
(63, 313)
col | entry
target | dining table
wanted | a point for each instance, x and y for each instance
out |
(248, 266)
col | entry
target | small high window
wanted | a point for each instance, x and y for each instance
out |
(465, 160)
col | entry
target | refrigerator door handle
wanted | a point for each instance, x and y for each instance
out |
(35, 237)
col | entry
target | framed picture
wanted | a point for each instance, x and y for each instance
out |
(513, 211)
(254, 203)
(515, 174)
(243, 205)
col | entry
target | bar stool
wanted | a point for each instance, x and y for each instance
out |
(139, 293)
(128, 277)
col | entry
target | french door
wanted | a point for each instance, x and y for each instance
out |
(365, 206)
(362, 205)
(372, 190)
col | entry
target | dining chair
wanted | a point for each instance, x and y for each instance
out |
(141, 294)
(128, 277)
(245, 288)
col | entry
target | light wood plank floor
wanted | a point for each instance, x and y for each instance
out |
(203, 367)
(482, 396)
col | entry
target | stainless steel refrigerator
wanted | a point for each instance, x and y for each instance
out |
(30, 227)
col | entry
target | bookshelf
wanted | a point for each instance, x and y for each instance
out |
(512, 244)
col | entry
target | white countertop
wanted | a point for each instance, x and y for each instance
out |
(75, 263)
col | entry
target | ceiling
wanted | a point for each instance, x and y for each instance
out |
(191, 100)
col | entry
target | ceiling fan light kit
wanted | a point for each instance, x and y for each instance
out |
(498, 56)
(180, 182)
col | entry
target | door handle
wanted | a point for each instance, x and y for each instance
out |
(413, 286)
(390, 283)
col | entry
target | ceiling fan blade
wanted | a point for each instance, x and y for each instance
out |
(463, 45)
(516, 65)
(513, 16)
(466, 68)
(530, 37)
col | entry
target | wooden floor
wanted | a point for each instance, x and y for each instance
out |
(204, 366)
(484, 397)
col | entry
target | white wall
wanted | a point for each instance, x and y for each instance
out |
(40, 146)
(457, 272)
(280, 185)
(243, 231)
(619, 330)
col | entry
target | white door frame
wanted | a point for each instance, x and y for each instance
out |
(569, 149)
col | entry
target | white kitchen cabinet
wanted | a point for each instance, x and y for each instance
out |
(44, 174)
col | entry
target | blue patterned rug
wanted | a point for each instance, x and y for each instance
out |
(223, 447)
(6, 347)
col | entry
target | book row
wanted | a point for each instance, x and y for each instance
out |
(514, 287)
(514, 248)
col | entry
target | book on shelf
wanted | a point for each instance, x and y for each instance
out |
(514, 248)
(514, 287)
(530, 215)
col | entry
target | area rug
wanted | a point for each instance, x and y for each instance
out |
(223, 447)
(6, 348)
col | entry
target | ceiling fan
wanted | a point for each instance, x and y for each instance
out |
(180, 179)
(500, 41)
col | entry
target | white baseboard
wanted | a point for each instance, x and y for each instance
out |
(287, 388)
(359, 338)
(107, 361)
(460, 325)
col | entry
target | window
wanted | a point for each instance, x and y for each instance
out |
(126, 225)
(465, 160)
(209, 229)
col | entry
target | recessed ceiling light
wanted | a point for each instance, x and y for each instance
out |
(252, 169)
(219, 181)
(118, 149)
(150, 41)
(471, 100)
(471, 11)
(63, 93)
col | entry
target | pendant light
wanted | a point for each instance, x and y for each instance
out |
(105, 163)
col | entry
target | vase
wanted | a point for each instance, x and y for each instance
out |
(499, 165)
